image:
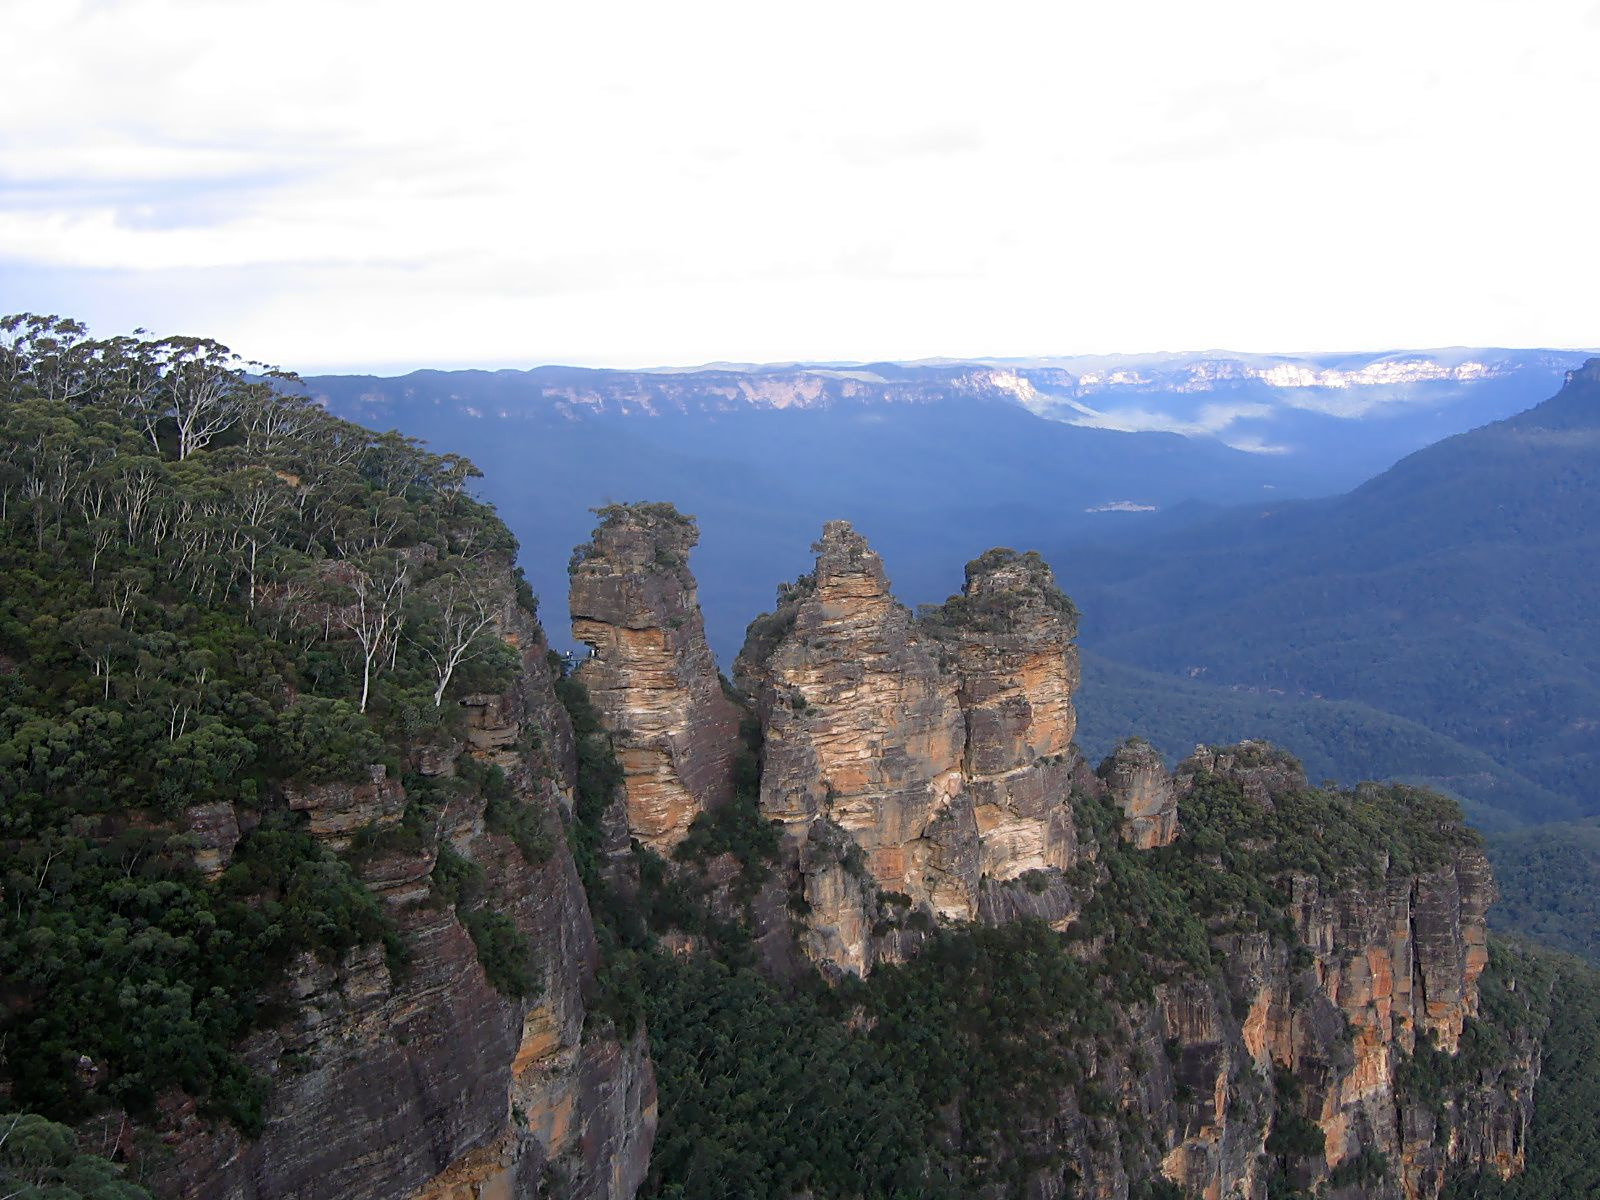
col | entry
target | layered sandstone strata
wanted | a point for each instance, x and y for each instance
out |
(651, 674)
(1148, 796)
(1309, 1026)
(427, 1082)
(1382, 964)
(1010, 633)
(927, 759)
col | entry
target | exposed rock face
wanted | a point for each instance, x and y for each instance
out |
(215, 829)
(1148, 796)
(336, 810)
(652, 675)
(1017, 667)
(1216, 1067)
(926, 758)
(430, 1083)
(1388, 962)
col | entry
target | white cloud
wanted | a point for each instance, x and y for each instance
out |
(645, 183)
(1210, 420)
(1255, 445)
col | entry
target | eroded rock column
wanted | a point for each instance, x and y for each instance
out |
(863, 741)
(1010, 635)
(1139, 783)
(917, 763)
(652, 676)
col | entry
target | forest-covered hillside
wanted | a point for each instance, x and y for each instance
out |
(216, 600)
(1455, 592)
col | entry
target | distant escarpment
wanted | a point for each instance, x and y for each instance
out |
(1259, 986)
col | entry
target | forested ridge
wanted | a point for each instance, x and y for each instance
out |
(213, 592)
(1549, 880)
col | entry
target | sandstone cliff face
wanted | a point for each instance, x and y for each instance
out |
(430, 1083)
(922, 766)
(652, 675)
(1220, 1072)
(921, 769)
(1147, 795)
(928, 758)
(1016, 667)
(1322, 1036)
(862, 752)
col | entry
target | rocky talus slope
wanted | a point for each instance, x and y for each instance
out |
(921, 770)
(426, 1081)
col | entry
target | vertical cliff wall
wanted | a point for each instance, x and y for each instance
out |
(923, 760)
(1378, 968)
(651, 674)
(421, 1079)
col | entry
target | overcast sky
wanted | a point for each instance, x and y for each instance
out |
(355, 184)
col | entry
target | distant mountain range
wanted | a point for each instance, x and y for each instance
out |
(1436, 623)
(934, 461)
(1373, 407)
(1456, 592)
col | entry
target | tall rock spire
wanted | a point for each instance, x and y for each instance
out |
(919, 763)
(652, 675)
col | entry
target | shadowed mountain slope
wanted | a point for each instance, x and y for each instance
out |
(1456, 590)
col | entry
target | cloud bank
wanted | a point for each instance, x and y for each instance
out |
(352, 183)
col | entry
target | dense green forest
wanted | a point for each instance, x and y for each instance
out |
(213, 592)
(1456, 592)
(40, 1160)
(1336, 739)
(1549, 880)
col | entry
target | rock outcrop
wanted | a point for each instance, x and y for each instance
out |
(1010, 633)
(651, 674)
(1147, 795)
(335, 811)
(427, 1082)
(1323, 1030)
(921, 769)
(1260, 770)
(925, 759)
(925, 764)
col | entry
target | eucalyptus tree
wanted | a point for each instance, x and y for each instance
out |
(371, 609)
(455, 614)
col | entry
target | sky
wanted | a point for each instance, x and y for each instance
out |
(363, 185)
